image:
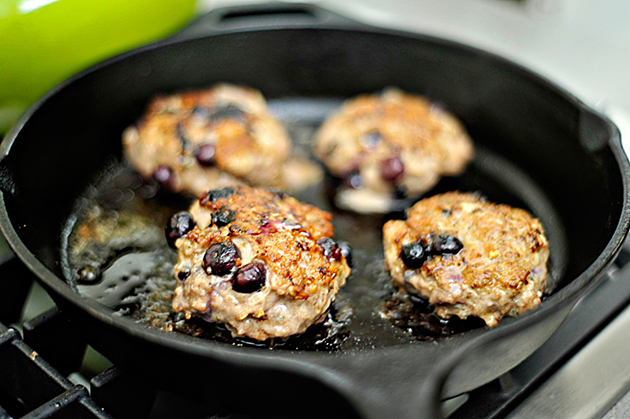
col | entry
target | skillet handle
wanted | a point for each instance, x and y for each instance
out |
(264, 15)
(401, 383)
(378, 392)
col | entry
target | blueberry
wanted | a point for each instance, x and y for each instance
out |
(346, 251)
(421, 303)
(399, 193)
(354, 181)
(165, 177)
(443, 244)
(269, 227)
(215, 194)
(278, 193)
(226, 112)
(373, 138)
(331, 249)
(223, 217)
(250, 278)
(201, 112)
(178, 225)
(183, 275)
(220, 258)
(87, 275)
(413, 255)
(205, 155)
(392, 168)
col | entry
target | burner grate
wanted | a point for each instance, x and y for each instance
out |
(31, 388)
(34, 368)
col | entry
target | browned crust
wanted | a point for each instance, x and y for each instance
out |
(272, 228)
(251, 148)
(261, 209)
(501, 269)
(371, 129)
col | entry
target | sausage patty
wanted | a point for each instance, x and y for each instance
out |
(260, 262)
(468, 257)
(390, 145)
(199, 140)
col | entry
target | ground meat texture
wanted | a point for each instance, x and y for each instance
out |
(388, 145)
(198, 140)
(271, 271)
(478, 259)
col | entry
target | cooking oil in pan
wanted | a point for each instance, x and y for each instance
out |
(116, 253)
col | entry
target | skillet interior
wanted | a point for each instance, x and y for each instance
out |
(573, 180)
(366, 308)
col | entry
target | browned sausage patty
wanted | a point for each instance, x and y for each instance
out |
(388, 144)
(468, 257)
(204, 139)
(260, 262)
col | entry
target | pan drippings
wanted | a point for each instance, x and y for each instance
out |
(117, 253)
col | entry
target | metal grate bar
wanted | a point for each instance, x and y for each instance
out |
(67, 352)
(31, 388)
(72, 404)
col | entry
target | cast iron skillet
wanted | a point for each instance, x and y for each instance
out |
(554, 154)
